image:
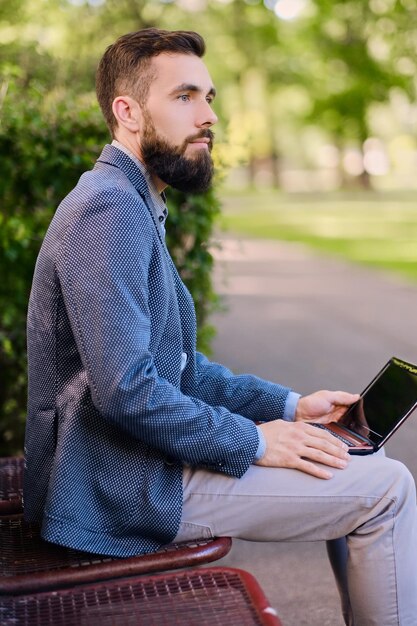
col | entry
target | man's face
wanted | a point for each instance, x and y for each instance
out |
(176, 140)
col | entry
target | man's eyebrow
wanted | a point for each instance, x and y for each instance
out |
(192, 87)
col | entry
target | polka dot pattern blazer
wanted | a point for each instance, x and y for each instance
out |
(112, 415)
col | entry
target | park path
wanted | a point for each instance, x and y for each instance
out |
(310, 322)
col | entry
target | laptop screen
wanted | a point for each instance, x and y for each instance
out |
(389, 399)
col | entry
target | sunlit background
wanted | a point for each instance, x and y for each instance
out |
(313, 95)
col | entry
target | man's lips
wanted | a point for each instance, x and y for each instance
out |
(201, 142)
(204, 140)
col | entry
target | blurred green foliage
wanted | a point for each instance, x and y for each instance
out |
(46, 142)
(188, 236)
(326, 70)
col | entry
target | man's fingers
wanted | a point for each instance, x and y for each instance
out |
(323, 405)
(314, 470)
(324, 438)
(344, 398)
(326, 449)
(340, 459)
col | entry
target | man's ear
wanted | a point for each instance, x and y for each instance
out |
(128, 113)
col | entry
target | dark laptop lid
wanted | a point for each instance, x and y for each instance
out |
(385, 403)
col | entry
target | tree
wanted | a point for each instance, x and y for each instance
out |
(353, 53)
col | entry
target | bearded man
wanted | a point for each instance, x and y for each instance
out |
(133, 437)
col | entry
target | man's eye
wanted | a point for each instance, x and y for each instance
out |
(184, 97)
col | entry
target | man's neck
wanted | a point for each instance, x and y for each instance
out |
(132, 146)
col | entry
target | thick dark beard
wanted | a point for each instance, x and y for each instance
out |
(190, 175)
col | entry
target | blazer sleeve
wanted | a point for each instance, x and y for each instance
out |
(248, 395)
(103, 267)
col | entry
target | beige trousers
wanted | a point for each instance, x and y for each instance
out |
(372, 503)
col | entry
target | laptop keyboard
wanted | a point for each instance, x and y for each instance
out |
(346, 441)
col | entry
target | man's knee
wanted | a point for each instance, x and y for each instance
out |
(400, 481)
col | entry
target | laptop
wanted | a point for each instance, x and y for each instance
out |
(384, 405)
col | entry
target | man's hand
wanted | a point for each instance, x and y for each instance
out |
(298, 445)
(295, 445)
(324, 406)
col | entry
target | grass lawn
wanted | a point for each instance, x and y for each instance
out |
(377, 229)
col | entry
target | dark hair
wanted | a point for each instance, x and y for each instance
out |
(125, 66)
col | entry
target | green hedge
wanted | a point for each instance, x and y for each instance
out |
(46, 142)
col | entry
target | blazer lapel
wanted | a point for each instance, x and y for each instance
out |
(117, 158)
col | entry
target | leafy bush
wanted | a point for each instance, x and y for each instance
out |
(46, 141)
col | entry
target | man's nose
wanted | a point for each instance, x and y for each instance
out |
(207, 116)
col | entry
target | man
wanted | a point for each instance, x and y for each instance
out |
(134, 438)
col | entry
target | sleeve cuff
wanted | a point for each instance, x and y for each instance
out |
(290, 406)
(261, 446)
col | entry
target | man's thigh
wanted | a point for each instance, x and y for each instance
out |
(278, 504)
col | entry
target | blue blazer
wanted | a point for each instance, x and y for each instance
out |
(112, 416)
